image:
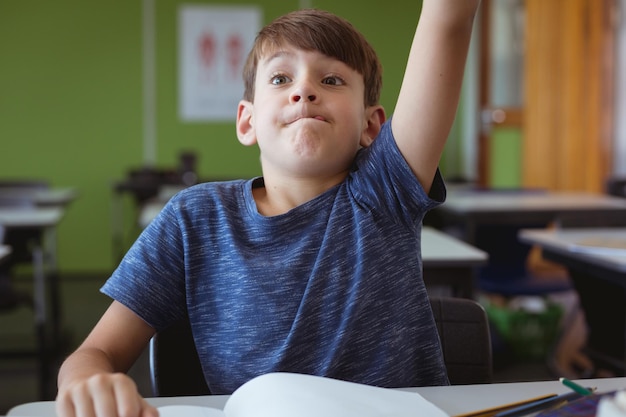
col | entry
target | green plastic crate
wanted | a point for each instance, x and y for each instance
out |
(529, 334)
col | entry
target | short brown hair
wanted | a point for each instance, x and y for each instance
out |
(318, 30)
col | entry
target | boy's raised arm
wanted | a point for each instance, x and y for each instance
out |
(430, 90)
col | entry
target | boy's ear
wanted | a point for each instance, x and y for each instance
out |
(375, 119)
(245, 127)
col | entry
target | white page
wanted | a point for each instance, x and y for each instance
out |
(189, 411)
(288, 395)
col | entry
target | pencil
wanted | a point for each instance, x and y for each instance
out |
(492, 411)
(540, 405)
(575, 387)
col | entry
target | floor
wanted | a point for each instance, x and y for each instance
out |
(18, 376)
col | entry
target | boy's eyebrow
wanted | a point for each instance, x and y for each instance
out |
(286, 54)
(279, 53)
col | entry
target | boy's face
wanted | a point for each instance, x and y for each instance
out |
(308, 116)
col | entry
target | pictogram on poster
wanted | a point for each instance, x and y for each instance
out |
(213, 45)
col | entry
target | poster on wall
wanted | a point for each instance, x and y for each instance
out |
(213, 45)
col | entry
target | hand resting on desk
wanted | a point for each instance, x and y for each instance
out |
(117, 395)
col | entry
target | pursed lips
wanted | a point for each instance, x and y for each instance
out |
(305, 117)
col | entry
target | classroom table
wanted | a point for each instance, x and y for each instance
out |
(491, 220)
(151, 209)
(5, 251)
(148, 198)
(41, 223)
(596, 261)
(473, 207)
(450, 262)
(54, 197)
(453, 400)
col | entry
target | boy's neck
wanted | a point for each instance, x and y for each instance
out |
(273, 198)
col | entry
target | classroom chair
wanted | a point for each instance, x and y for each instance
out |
(11, 190)
(15, 193)
(462, 324)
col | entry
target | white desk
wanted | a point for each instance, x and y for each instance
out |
(152, 207)
(527, 205)
(20, 217)
(585, 245)
(143, 185)
(491, 219)
(452, 399)
(39, 223)
(149, 211)
(5, 250)
(523, 207)
(55, 197)
(599, 277)
(450, 262)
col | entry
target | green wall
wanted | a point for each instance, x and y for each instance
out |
(506, 151)
(71, 101)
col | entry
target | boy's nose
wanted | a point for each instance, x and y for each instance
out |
(303, 91)
(297, 97)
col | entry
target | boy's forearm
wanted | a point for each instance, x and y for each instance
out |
(431, 86)
(448, 16)
(453, 12)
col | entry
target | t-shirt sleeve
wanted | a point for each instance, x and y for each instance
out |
(150, 279)
(384, 181)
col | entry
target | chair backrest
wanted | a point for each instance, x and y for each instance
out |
(465, 339)
(463, 327)
(175, 368)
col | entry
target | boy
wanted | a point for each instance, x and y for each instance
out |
(315, 267)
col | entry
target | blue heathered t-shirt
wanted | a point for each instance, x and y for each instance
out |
(333, 287)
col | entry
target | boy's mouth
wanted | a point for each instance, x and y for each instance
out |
(307, 116)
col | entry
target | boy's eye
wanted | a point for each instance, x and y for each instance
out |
(333, 80)
(279, 79)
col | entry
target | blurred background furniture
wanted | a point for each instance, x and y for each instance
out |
(449, 264)
(465, 336)
(144, 184)
(596, 262)
(30, 210)
(491, 219)
(616, 186)
(35, 192)
(10, 297)
(5, 250)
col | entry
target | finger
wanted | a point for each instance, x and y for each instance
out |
(81, 401)
(129, 401)
(64, 406)
(149, 410)
(98, 396)
(104, 400)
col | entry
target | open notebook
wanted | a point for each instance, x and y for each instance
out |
(283, 394)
